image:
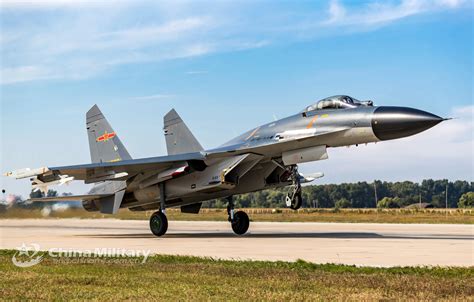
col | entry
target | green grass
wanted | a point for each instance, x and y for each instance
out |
(460, 216)
(192, 278)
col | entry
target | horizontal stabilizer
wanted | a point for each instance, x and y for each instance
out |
(108, 203)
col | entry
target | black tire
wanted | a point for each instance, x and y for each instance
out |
(241, 223)
(158, 223)
(297, 202)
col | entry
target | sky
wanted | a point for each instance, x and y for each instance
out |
(229, 66)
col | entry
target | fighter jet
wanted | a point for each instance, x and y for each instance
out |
(264, 157)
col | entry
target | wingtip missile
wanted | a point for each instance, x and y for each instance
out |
(26, 172)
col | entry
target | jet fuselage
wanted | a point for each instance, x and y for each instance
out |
(302, 131)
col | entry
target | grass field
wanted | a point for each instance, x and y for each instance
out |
(190, 278)
(461, 216)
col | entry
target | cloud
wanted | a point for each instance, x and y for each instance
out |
(50, 4)
(450, 3)
(336, 12)
(61, 39)
(465, 112)
(376, 13)
(89, 42)
(84, 50)
(23, 74)
(136, 38)
(431, 154)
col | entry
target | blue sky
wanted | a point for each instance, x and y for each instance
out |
(228, 66)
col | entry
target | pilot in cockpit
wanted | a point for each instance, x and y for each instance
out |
(337, 102)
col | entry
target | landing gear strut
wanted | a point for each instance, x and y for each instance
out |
(294, 199)
(239, 220)
(158, 221)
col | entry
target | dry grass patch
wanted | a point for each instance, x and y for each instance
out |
(450, 216)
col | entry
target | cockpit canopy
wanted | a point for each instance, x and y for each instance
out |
(337, 102)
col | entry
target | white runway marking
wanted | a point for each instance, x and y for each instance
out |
(348, 243)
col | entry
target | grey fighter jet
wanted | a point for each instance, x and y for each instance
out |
(264, 157)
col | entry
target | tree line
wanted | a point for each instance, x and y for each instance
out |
(364, 195)
(345, 195)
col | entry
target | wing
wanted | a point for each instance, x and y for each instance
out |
(120, 170)
(163, 166)
(125, 169)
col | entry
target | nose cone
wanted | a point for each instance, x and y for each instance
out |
(396, 122)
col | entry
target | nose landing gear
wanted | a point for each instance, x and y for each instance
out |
(239, 220)
(294, 200)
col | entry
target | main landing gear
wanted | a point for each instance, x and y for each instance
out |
(239, 220)
(293, 198)
(158, 221)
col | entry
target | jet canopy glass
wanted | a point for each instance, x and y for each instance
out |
(337, 102)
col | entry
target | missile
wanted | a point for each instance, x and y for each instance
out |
(27, 172)
(43, 186)
(310, 177)
(163, 176)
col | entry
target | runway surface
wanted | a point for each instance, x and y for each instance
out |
(348, 243)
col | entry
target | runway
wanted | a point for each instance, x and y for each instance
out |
(347, 243)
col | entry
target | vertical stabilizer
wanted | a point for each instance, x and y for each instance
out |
(104, 143)
(179, 138)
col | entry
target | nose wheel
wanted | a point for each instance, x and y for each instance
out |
(239, 220)
(293, 199)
